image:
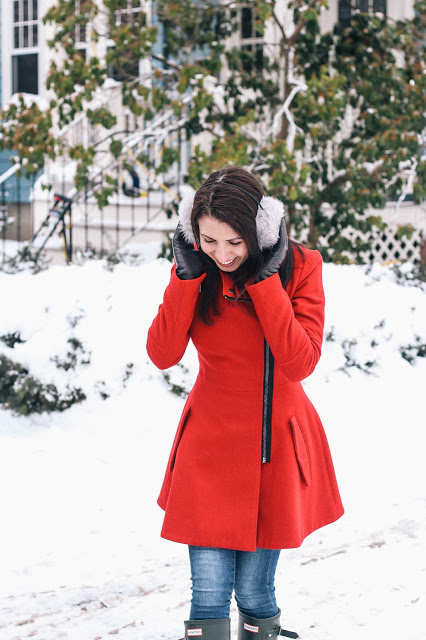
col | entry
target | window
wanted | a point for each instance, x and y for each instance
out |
(133, 16)
(80, 33)
(25, 46)
(80, 29)
(251, 39)
(346, 7)
(344, 13)
(25, 73)
(25, 24)
(379, 6)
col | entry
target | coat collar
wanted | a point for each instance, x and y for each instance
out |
(228, 289)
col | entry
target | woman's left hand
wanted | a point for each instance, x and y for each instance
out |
(274, 257)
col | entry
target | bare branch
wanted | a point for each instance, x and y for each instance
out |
(280, 26)
(162, 59)
(301, 86)
(339, 180)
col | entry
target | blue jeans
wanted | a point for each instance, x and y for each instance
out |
(216, 573)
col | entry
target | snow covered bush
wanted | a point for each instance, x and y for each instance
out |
(76, 355)
(23, 394)
(411, 352)
(25, 259)
(10, 339)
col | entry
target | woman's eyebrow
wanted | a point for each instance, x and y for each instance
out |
(229, 240)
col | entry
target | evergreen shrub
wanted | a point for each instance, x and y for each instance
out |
(23, 394)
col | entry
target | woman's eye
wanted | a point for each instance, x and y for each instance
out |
(234, 244)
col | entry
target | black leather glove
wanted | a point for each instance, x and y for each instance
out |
(274, 257)
(189, 263)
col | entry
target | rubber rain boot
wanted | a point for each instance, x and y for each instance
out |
(261, 629)
(212, 629)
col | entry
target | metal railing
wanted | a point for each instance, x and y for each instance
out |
(140, 208)
(16, 226)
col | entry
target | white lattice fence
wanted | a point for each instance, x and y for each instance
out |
(386, 246)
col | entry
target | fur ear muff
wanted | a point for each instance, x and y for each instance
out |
(268, 220)
(185, 209)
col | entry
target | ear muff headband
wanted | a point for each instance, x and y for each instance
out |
(270, 212)
(231, 184)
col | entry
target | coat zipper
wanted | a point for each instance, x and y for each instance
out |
(268, 385)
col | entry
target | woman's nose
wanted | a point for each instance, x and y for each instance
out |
(223, 255)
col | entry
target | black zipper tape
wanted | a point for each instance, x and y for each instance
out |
(268, 386)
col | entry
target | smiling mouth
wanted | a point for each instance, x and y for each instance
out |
(228, 263)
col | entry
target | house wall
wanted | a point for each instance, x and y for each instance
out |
(4, 164)
(44, 54)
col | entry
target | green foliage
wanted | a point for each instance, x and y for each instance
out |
(349, 162)
(27, 130)
(73, 81)
(23, 394)
(352, 133)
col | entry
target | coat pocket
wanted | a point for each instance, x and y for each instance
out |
(178, 436)
(301, 450)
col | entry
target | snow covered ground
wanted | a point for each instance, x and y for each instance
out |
(80, 553)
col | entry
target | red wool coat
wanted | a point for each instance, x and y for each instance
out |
(216, 490)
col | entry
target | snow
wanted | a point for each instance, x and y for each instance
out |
(29, 99)
(80, 552)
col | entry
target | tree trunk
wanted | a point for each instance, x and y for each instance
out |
(286, 91)
(313, 232)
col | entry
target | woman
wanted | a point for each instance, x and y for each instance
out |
(250, 471)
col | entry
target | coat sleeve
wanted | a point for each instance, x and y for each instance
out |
(293, 327)
(168, 335)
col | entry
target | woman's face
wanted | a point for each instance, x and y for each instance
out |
(222, 243)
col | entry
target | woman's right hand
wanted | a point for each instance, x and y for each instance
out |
(189, 263)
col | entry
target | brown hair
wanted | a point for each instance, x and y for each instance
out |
(232, 195)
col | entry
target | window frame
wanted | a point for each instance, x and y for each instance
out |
(254, 43)
(129, 10)
(21, 23)
(80, 41)
(350, 6)
(26, 47)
